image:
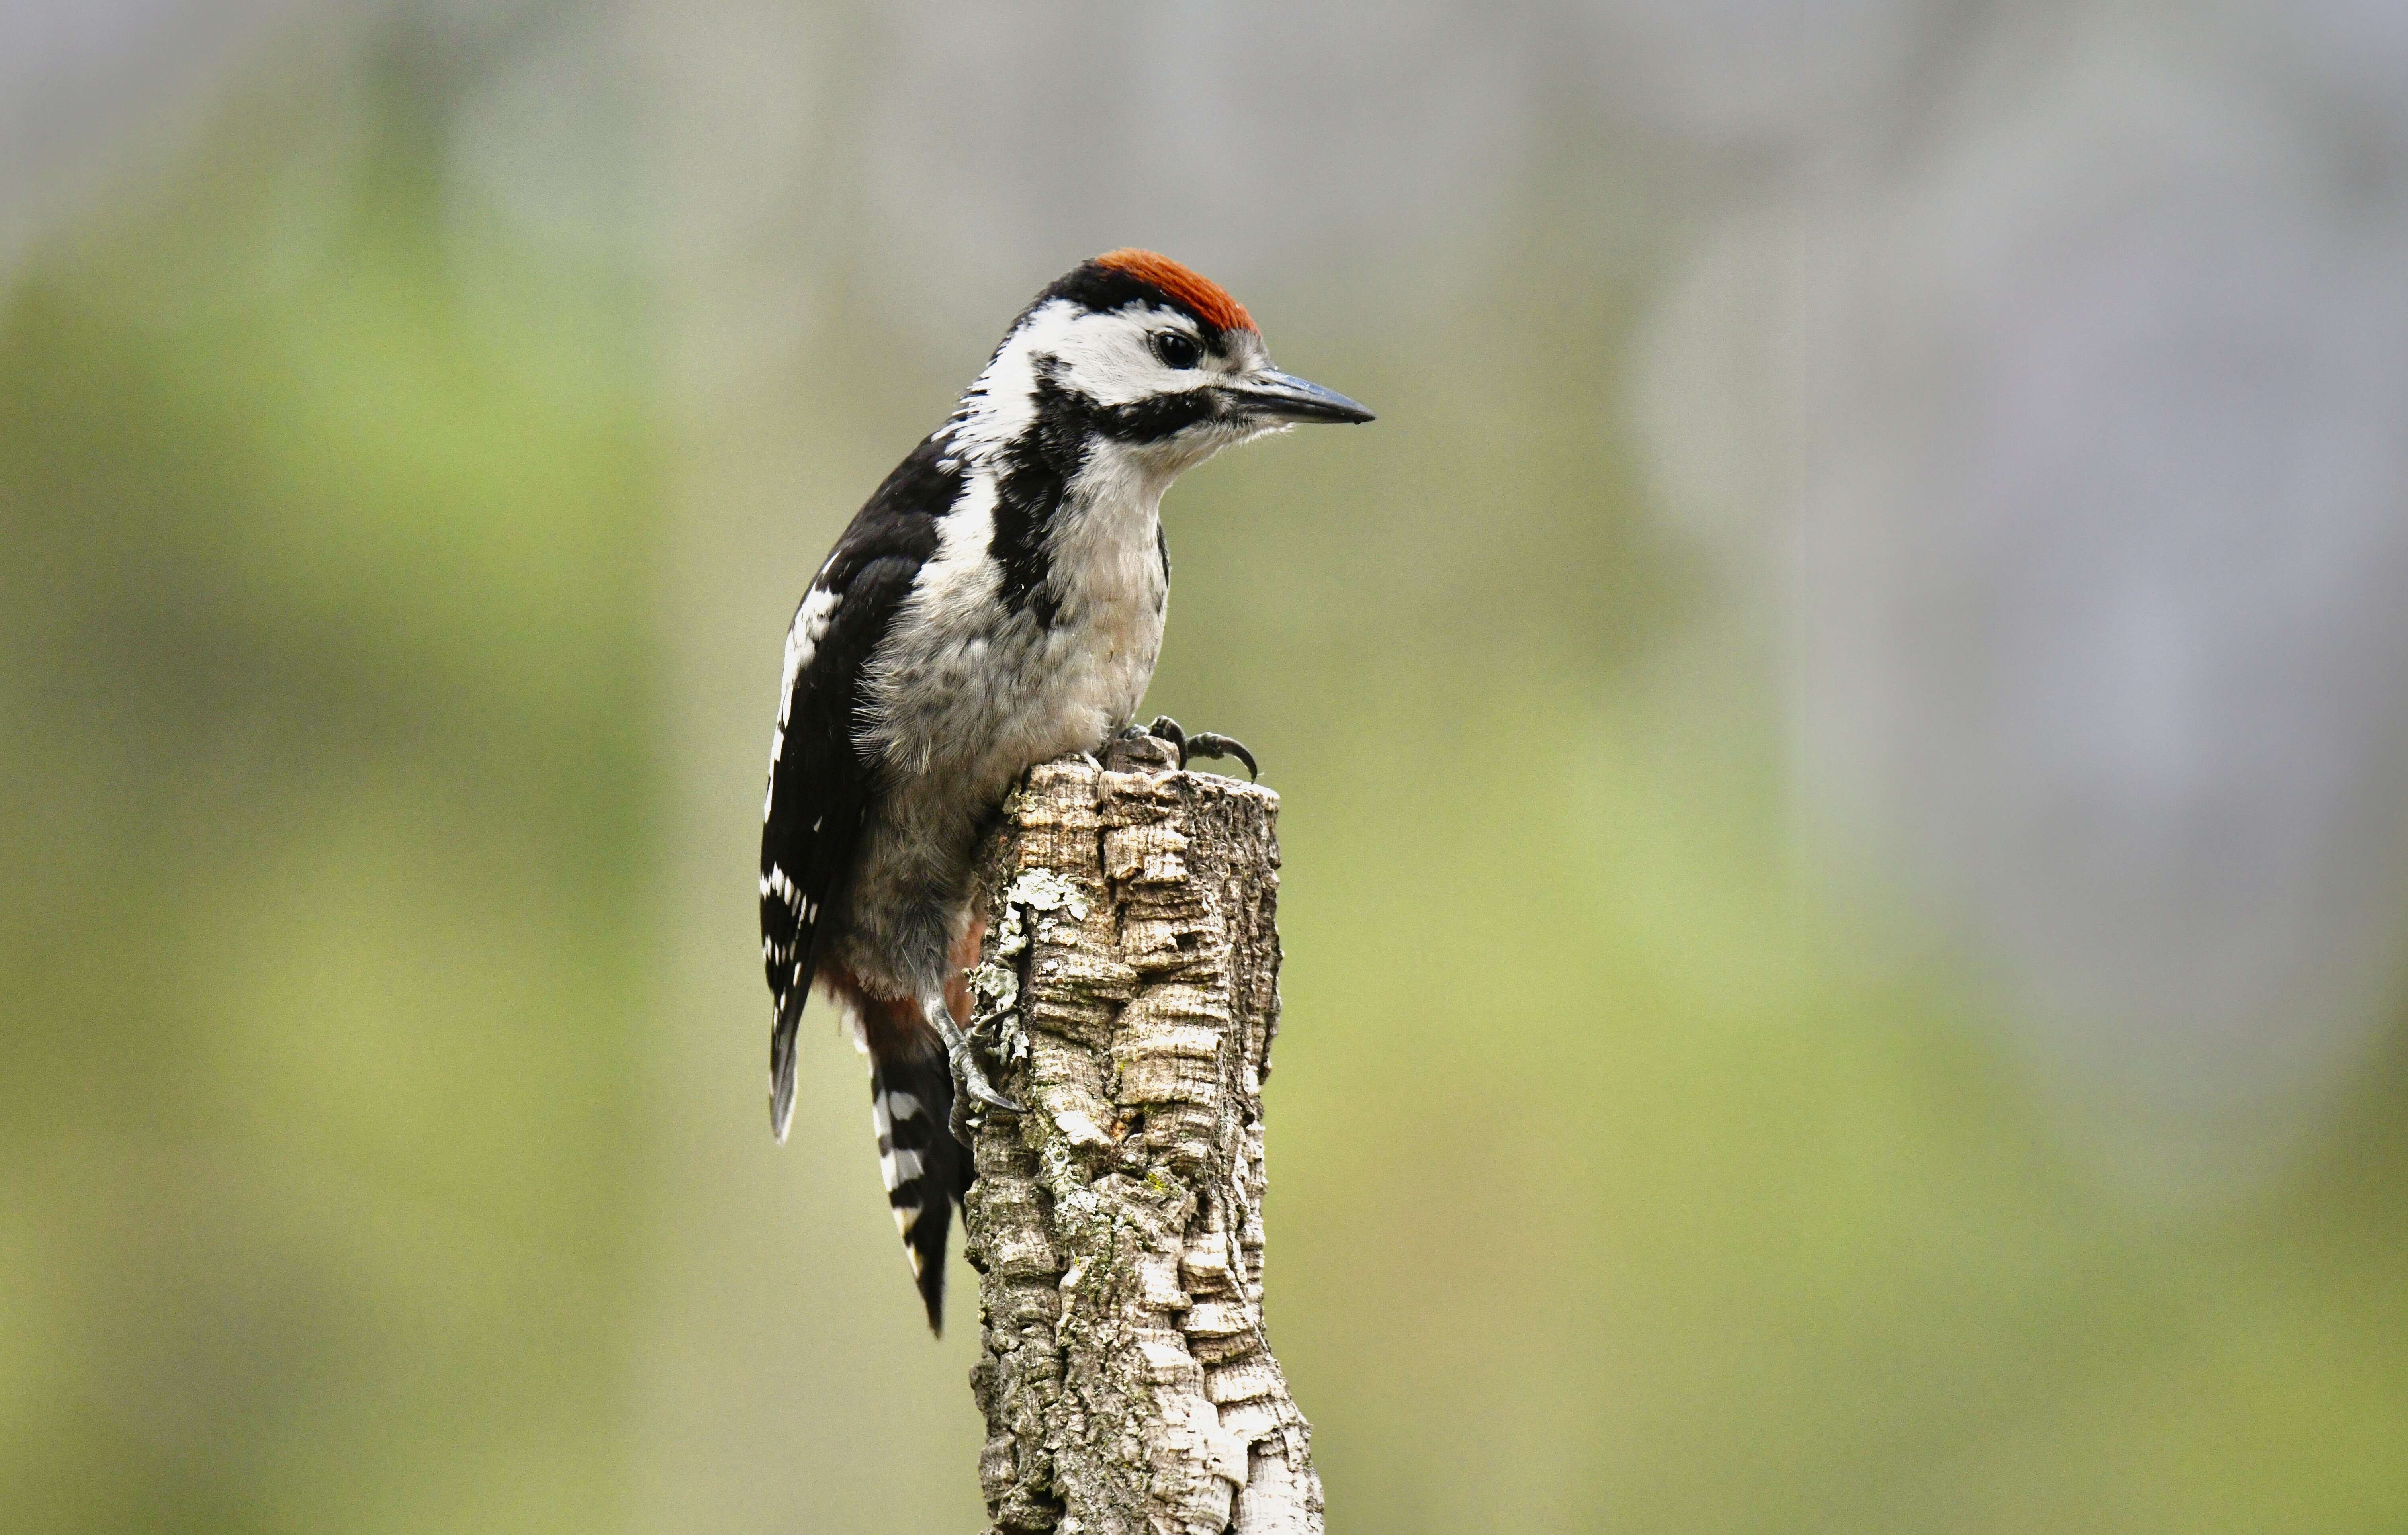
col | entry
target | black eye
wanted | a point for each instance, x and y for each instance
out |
(1176, 349)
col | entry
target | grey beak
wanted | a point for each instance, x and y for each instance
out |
(1273, 396)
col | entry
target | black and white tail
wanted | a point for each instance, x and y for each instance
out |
(926, 1171)
(782, 1061)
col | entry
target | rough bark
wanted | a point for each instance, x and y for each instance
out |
(1130, 978)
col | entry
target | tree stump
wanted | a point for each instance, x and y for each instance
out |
(1130, 982)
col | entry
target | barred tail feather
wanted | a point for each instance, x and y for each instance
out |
(782, 1062)
(926, 1171)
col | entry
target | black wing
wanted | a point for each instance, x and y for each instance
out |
(819, 787)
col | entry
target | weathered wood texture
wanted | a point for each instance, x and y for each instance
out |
(1130, 976)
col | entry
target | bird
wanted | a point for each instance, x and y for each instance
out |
(996, 603)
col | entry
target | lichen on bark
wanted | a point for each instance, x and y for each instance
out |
(1129, 981)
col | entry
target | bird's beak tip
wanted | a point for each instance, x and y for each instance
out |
(1285, 398)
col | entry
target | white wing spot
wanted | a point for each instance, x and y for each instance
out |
(776, 883)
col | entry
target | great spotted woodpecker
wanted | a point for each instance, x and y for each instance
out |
(997, 603)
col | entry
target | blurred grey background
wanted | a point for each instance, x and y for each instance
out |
(1845, 743)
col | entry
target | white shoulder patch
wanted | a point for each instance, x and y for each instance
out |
(809, 627)
(803, 636)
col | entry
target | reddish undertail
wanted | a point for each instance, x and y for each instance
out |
(928, 1172)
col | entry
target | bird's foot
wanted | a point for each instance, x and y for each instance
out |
(972, 1087)
(1134, 751)
(1203, 743)
(970, 1078)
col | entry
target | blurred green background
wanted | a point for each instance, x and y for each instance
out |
(390, 591)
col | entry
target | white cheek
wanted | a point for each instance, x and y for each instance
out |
(1107, 357)
(1109, 361)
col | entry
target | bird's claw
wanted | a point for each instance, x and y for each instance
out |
(969, 1080)
(1207, 743)
(971, 1086)
(1203, 743)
